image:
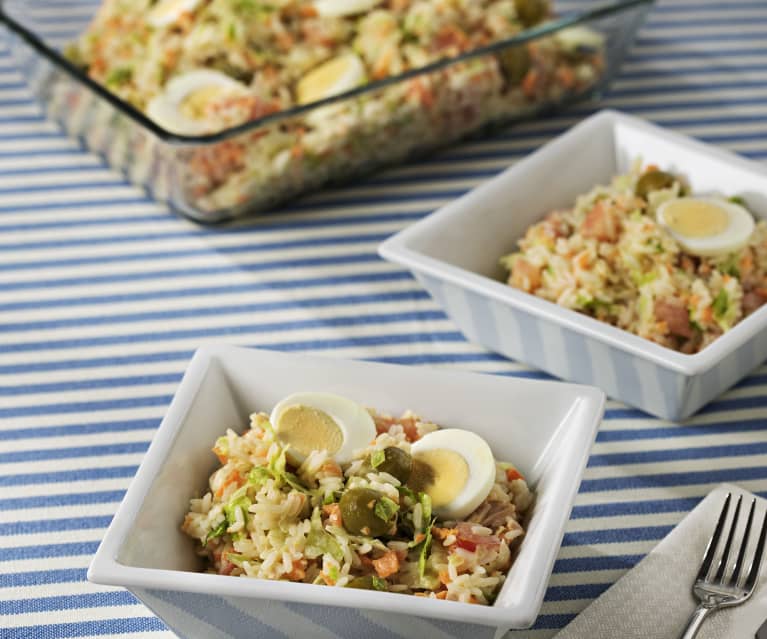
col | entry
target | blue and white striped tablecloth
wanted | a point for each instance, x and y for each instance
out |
(104, 295)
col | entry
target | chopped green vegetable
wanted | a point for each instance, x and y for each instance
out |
(425, 550)
(377, 458)
(736, 199)
(425, 501)
(119, 76)
(259, 475)
(330, 498)
(729, 266)
(720, 304)
(237, 502)
(319, 541)
(385, 509)
(379, 583)
(406, 492)
(333, 573)
(216, 532)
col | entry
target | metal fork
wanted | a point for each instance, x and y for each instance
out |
(719, 590)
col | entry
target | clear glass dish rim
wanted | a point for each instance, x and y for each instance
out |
(172, 138)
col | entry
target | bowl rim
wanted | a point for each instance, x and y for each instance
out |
(133, 113)
(397, 249)
(105, 569)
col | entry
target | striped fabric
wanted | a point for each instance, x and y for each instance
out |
(104, 295)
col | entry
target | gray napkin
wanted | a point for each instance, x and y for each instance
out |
(654, 599)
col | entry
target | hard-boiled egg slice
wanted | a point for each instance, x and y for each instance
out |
(331, 78)
(338, 8)
(455, 468)
(706, 225)
(181, 107)
(167, 12)
(322, 421)
(579, 39)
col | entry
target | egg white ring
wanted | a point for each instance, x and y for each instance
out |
(164, 109)
(479, 459)
(740, 227)
(340, 8)
(344, 412)
(167, 12)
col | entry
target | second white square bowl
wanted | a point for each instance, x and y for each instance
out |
(455, 253)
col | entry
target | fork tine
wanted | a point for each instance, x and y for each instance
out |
(708, 556)
(725, 558)
(753, 571)
(741, 553)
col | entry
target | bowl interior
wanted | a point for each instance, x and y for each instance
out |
(544, 428)
(473, 232)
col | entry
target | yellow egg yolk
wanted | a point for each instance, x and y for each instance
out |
(306, 429)
(194, 104)
(441, 473)
(694, 218)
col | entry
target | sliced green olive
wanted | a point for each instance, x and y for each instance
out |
(531, 12)
(515, 62)
(397, 463)
(358, 512)
(654, 181)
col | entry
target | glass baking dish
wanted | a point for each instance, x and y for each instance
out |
(266, 161)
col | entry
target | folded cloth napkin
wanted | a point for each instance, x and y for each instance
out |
(654, 599)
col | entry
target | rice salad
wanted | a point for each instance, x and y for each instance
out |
(266, 518)
(645, 255)
(198, 67)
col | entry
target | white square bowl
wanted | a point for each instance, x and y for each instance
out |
(545, 428)
(455, 253)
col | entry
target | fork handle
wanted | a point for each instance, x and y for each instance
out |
(695, 622)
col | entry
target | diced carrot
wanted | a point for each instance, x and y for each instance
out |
(444, 577)
(333, 511)
(442, 594)
(565, 76)
(299, 570)
(707, 314)
(307, 11)
(386, 565)
(443, 533)
(512, 474)
(530, 83)
(383, 63)
(651, 167)
(327, 579)
(232, 478)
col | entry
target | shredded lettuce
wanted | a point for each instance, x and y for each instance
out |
(320, 542)
(258, 475)
(379, 583)
(215, 533)
(377, 458)
(385, 509)
(423, 555)
(720, 304)
(425, 501)
(241, 502)
(276, 470)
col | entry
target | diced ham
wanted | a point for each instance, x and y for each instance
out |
(674, 313)
(554, 225)
(601, 223)
(469, 540)
(525, 276)
(752, 301)
(386, 565)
